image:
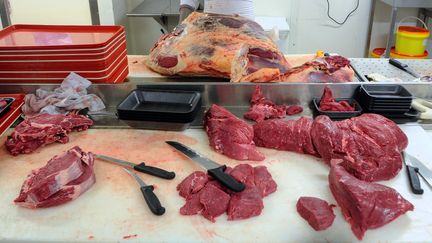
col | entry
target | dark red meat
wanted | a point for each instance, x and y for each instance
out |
(62, 179)
(317, 212)
(365, 205)
(44, 129)
(367, 147)
(192, 184)
(262, 109)
(245, 204)
(212, 199)
(3, 103)
(264, 181)
(230, 135)
(290, 135)
(329, 103)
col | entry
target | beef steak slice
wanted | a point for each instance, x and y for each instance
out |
(365, 205)
(317, 212)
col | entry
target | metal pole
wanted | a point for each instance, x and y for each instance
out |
(94, 11)
(391, 32)
(4, 13)
(370, 27)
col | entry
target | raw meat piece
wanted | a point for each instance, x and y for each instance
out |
(245, 204)
(192, 184)
(211, 197)
(244, 173)
(317, 212)
(3, 104)
(262, 108)
(365, 205)
(361, 153)
(64, 178)
(237, 48)
(264, 181)
(214, 200)
(293, 110)
(230, 135)
(331, 69)
(290, 135)
(193, 205)
(329, 103)
(44, 129)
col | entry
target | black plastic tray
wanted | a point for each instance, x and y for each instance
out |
(386, 91)
(337, 115)
(172, 106)
(411, 116)
(6, 108)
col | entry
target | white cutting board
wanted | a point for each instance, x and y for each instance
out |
(114, 208)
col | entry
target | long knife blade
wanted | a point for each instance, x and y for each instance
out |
(117, 161)
(214, 169)
(206, 163)
(424, 171)
(136, 177)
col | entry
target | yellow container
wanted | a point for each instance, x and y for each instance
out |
(411, 40)
(379, 52)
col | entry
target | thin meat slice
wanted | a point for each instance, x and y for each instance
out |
(244, 173)
(245, 204)
(290, 135)
(214, 201)
(61, 180)
(193, 205)
(317, 212)
(192, 184)
(294, 110)
(365, 205)
(43, 129)
(262, 109)
(264, 181)
(230, 135)
(329, 103)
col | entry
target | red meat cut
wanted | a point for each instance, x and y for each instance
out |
(64, 178)
(236, 48)
(214, 201)
(369, 146)
(212, 196)
(44, 129)
(192, 184)
(365, 205)
(262, 109)
(317, 212)
(290, 135)
(230, 135)
(329, 103)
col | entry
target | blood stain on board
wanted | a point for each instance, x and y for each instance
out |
(91, 237)
(129, 236)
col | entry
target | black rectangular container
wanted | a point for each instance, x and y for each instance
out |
(384, 98)
(337, 115)
(6, 108)
(160, 109)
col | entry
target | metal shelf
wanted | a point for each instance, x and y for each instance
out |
(160, 10)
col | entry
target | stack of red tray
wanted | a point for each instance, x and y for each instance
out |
(48, 53)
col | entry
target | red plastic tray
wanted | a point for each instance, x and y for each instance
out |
(19, 75)
(42, 37)
(116, 76)
(13, 114)
(65, 65)
(64, 56)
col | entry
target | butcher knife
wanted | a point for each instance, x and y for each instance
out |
(214, 169)
(421, 168)
(140, 167)
(413, 177)
(149, 196)
(404, 67)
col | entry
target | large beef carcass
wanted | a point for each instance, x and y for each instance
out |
(43, 129)
(368, 146)
(235, 48)
(230, 135)
(64, 178)
(365, 205)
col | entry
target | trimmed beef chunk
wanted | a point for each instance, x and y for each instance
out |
(290, 135)
(213, 199)
(317, 212)
(192, 184)
(230, 135)
(262, 109)
(329, 103)
(64, 178)
(365, 205)
(44, 129)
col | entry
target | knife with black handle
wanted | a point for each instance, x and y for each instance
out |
(414, 180)
(147, 190)
(140, 167)
(225, 179)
